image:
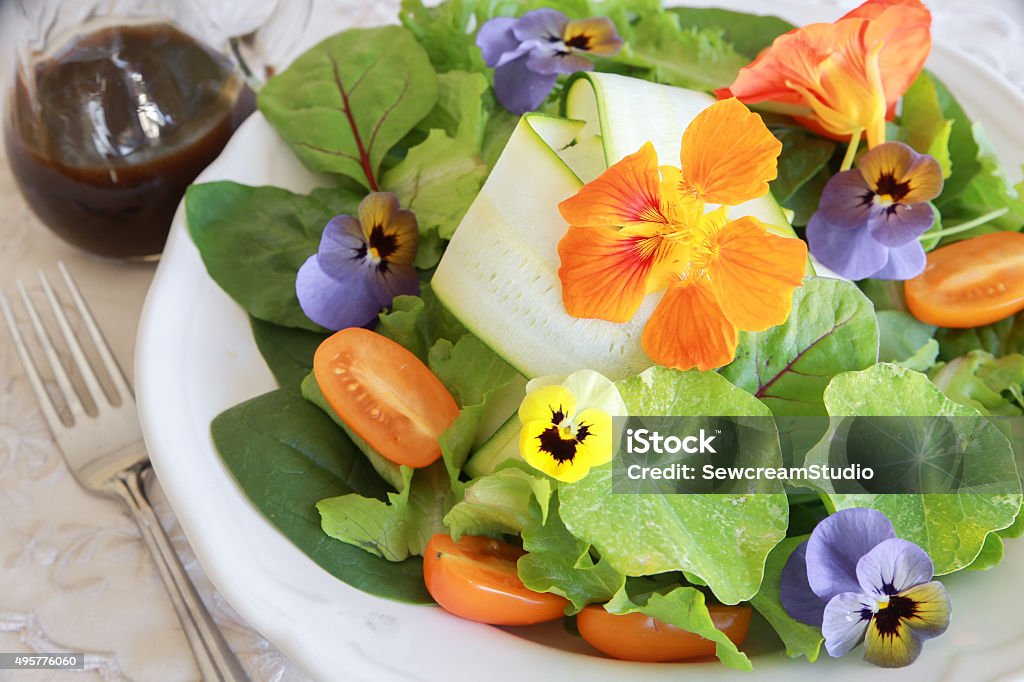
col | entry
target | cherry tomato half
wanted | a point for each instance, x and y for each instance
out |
(385, 395)
(636, 637)
(970, 283)
(476, 579)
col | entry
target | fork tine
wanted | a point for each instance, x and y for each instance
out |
(36, 381)
(92, 382)
(121, 386)
(67, 389)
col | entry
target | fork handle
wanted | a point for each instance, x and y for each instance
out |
(213, 656)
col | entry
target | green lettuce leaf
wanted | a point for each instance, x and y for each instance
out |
(439, 178)
(963, 150)
(951, 528)
(396, 529)
(993, 386)
(799, 638)
(346, 102)
(991, 554)
(254, 239)
(685, 608)
(286, 455)
(723, 539)
(560, 563)
(747, 33)
(686, 57)
(504, 502)
(417, 322)
(832, 329)
(923, 125)
(447, 31)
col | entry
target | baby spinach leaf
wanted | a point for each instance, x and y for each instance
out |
(803, 157)
(799, 638)
(346, 102)
(504, 502)
(556, 561)
(950, 527)
(804, 201)
(288, 351)
(831, 329)
(723, 539)
(398, 528)
(685, 608)
(286, 455)
(254, 239)
(747, 33)
(885, 294)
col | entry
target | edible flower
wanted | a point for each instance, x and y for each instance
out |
(528, 53)
(860, 583)
(842, 79)
(567, 423)
(638, 229)
(871, 217)
(362, 264)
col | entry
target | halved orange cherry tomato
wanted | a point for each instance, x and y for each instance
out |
(385, 395)
(636, 637)
(970, 283)
(476, 578)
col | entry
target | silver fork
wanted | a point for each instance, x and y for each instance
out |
(108, 457)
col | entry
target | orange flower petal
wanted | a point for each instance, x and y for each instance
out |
(728, 154)
(606, 273)
(753, 273)
(688, 329)
(625, 194)
(845, 76)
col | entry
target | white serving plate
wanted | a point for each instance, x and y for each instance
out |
(196, 357)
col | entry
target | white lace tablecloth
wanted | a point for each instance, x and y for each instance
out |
(74, 574)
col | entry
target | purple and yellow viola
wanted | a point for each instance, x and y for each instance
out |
(858, 582)
(528, 53)
(871, 217)
(362, 264)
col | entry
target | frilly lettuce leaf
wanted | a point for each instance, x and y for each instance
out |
(504, 502)
(999, 338)
(685, 608)
(906, 341)
(558, 562)
(990, 385)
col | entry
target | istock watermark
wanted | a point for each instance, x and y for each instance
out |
(845, 455)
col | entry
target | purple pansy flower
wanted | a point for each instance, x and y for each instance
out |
(361, 265)
(858, 582)
(870, 218)
(528, 53)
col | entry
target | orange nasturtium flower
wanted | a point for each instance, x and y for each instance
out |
(841, 79)
(638, 229)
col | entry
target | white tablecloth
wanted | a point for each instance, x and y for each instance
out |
(74, 575)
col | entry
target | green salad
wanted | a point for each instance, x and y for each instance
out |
(546, 225)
